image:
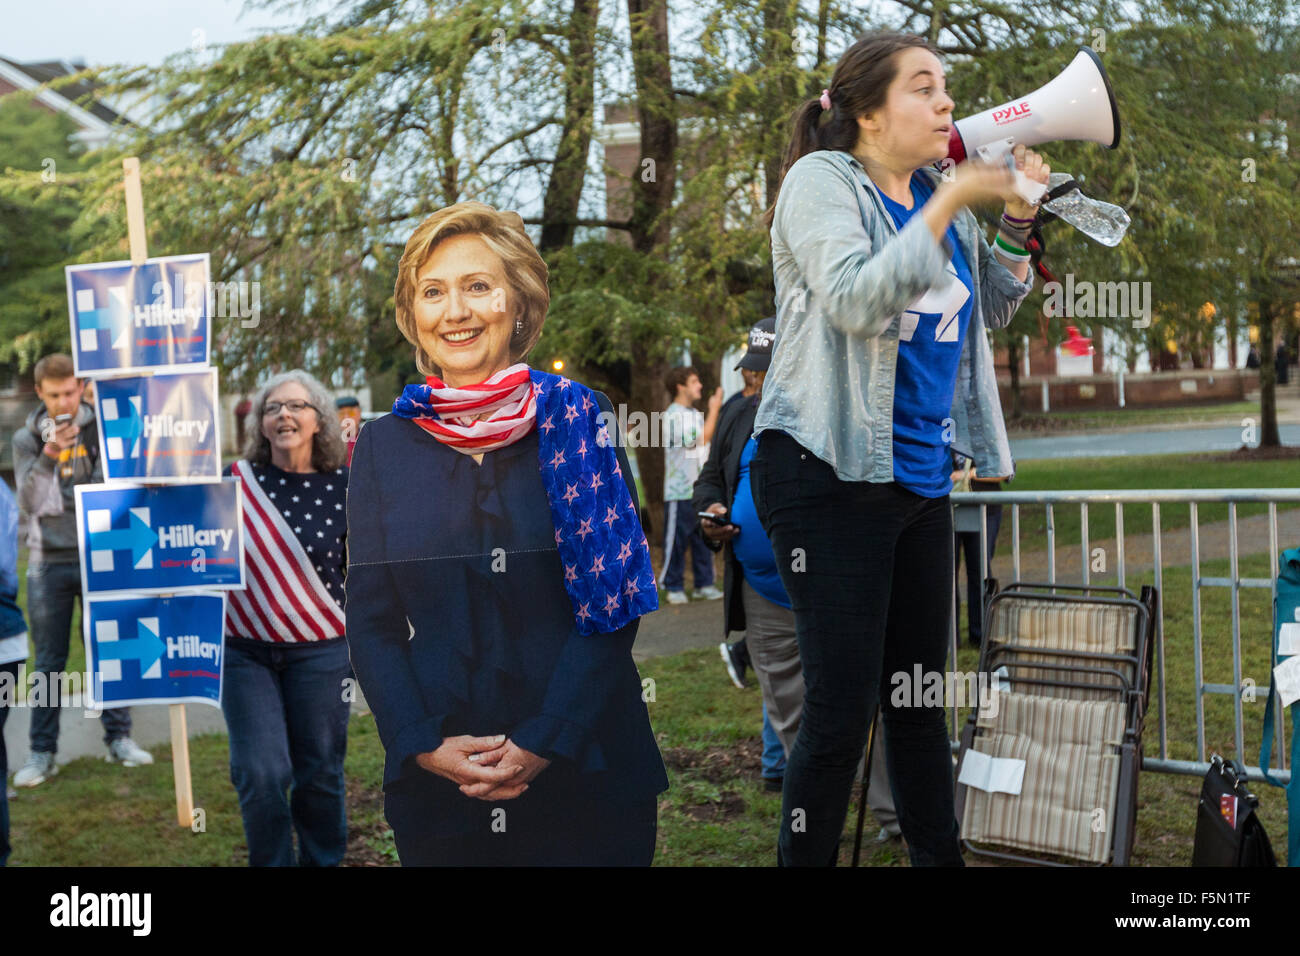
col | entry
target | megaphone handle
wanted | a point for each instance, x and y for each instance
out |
(1000, 151)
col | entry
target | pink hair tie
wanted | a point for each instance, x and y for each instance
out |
(826, 99)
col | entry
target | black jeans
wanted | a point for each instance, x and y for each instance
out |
(868, 568)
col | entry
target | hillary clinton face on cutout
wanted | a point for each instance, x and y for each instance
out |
(471, 293)
(464, 310)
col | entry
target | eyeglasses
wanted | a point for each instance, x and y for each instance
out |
(295, 407)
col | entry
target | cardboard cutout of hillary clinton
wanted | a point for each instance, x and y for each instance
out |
(497, 571)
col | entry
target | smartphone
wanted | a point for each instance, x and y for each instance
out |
(62, 419)
(721, 520)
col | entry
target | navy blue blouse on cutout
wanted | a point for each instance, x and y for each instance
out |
(458, 622)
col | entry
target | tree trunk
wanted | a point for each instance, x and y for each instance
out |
(569, 171)
(647, 395)
(1268, 433)
(653, 184)
(778, 52)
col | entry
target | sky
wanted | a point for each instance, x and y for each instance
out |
(127, 31)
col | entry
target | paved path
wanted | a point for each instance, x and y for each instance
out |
(1167, 441)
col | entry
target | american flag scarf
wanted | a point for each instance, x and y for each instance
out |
(606, 559)
(284, 600)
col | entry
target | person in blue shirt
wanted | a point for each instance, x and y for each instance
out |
(497, 570)
(756, 601)
(13, 644)
(884, 287)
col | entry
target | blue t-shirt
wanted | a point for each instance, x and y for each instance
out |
(752, 547)
(929, 348)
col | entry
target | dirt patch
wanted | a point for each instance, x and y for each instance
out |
(716, 810)
(718, 765)
(367, 828)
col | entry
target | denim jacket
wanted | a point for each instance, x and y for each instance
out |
(844, 274)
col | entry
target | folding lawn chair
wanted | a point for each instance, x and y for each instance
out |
(1049, 759)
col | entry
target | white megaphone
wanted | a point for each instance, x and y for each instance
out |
(1078, 104)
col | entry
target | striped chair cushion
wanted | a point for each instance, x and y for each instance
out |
(1067, 803)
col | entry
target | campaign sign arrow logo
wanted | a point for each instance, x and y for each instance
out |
(129, 428)
(138, 539)
(116, 316)
(147, 648)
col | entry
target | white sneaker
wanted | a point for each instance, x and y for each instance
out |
(38, 768)
(709, 594)
(128, 753)
(678, 597)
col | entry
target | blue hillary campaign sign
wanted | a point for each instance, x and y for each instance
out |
(159, 428)
(151, 650)
(129, 318)
(161, 539)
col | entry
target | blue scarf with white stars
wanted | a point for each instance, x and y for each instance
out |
(603, 549)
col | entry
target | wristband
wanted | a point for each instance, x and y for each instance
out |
(1006, 251)
(1012, 219)
(1005, 246)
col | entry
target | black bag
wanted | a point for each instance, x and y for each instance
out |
(1228, 831)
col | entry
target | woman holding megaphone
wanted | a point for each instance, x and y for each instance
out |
(884, 287)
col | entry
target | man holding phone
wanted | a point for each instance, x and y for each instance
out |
(755, 600)
(55, 451)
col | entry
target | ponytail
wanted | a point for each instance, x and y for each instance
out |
(859, 86)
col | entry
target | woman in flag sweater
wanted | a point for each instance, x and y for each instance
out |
(283, 691)
(496, 573)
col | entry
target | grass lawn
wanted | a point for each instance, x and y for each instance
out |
(714, 814)
(1134, 472)
(1037, 424)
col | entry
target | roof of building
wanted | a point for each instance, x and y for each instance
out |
(80, 93)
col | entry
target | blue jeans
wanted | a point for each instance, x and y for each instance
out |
(870, 583)
(52, 590)
(682, 532)
(12, 671)
(288, 723)
(773, 752)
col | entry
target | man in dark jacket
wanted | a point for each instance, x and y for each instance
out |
(55, 451)
(754, 599)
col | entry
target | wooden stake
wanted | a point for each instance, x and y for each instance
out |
(135, 211)
(180, 737)
(181, 766)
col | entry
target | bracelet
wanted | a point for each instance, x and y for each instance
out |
(1020, 237)
(1011, 256)
(1008, 247)
(1013, 219)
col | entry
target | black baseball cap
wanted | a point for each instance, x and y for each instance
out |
(758, 354)
(347, 401)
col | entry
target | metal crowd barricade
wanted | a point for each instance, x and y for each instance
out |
(1161, 763)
